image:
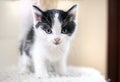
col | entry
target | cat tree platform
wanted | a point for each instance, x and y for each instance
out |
(77, 74)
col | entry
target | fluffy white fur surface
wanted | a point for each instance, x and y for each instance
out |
(76, 74)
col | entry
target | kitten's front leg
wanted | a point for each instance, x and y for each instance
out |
(61, 67)
(25, 64)
(40, 68)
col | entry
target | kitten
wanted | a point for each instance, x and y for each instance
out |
(46, 45)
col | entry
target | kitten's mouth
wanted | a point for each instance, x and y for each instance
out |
(56, 43)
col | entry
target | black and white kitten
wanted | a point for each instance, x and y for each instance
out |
(46, 45)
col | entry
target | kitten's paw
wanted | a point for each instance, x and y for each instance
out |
(25, 71)
(63, 74)
(42, 75)
(53, 74)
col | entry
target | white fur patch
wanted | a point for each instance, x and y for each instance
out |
(26, 19)
(57, 25)
(25, 64)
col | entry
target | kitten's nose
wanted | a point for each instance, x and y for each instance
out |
(57, 40)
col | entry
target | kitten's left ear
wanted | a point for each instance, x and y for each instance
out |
(37, 14)
(73, 11)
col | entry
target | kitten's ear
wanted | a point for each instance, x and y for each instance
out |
(37, 14)
(73, 11)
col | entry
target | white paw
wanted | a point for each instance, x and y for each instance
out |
(53, 74)
(42, 75)
(63, 74)
(25, 71)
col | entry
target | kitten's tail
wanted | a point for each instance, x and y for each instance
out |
(26, 19)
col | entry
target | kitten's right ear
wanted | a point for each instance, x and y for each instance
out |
(37, 14)
(73, 11)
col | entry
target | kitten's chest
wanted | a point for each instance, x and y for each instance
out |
(49, 52)
(55, 54)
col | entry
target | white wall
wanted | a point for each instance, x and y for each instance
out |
(89, 47)
(9, 30)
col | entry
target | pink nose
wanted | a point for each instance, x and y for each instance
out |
(57, 39)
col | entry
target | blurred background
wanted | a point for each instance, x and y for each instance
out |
(89, 47)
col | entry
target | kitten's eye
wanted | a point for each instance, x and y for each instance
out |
(49, 31)
(64, 31)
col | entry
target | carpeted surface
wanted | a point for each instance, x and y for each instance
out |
(81, 74)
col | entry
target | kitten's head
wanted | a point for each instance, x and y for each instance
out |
(55, 27)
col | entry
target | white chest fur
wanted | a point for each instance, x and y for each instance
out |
(44, 56)
(48, 52)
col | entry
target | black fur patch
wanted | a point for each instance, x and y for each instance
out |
(47, 21)
(27, 42)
